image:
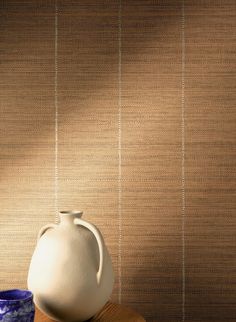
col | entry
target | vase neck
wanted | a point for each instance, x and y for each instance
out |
(67, 217)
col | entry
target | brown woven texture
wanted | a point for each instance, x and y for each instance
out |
(151, 143)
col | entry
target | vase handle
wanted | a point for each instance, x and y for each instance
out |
(44, 229)
(99, 238)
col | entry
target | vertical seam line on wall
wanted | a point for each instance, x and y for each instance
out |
(183, 159)
(119, 156)
(56, 110)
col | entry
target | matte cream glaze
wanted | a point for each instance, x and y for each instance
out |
(70, 273)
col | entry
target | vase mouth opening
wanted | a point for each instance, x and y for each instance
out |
(14, 295)
(71, 212)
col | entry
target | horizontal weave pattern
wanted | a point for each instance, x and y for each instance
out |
(151, 143)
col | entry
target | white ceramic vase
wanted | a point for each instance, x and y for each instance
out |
(70, 273)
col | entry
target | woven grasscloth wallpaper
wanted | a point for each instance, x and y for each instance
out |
(125, 110)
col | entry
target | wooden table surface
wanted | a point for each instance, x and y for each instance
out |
(110, 313)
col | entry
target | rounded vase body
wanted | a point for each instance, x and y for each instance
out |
(70, 273)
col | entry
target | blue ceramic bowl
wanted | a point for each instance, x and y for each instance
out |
(16, 306)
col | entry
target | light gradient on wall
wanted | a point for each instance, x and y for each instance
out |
(151, 89)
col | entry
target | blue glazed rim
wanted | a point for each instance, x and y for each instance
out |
(15, 295)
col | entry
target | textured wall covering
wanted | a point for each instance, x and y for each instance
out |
(144, 97)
